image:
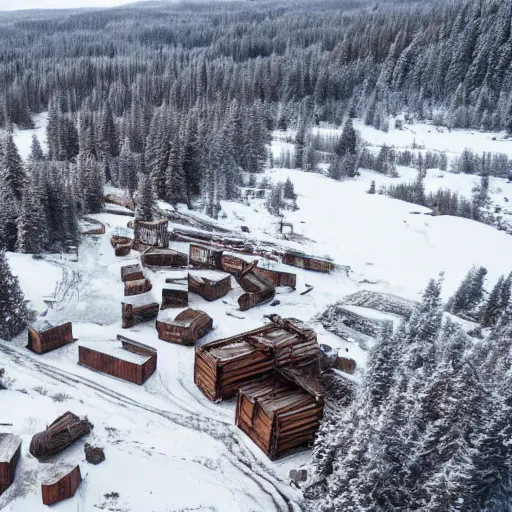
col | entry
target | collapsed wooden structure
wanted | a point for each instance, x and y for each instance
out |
(60, 483)
(131, 273)
(186, 328)
(258, 289)
(163, 258)
(222, 366)
(130, 361)
(232, 264)
(119, 201)
(280, 413)
(174, 295)
(301, 260)
(150, 234)
(210, 287)
(205, 257)
(122, 245)
(136, 287)
(10, 451)
(44, 337)
(99, 228)
(61, 434)
(138, 308)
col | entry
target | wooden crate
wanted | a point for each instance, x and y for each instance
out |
(210, 288)
(60, 483)
(296, 259)
(131, 273)
(122, 245)
(10, 450)
(258, 289)
(233, 264)
(163, 258)
(150, 234)
(186, 328)
(174, 296)
(49, 338)
(277, 278)
(205, 257)
(278, 414)
(129, 360)
(137, 287)
(138, 308)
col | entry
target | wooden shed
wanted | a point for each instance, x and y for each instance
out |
(136, 287)
(122, 245)
(211, 286)
(258, 289)
(222, 366)
(186, 328)
(163, 258)
(279, 414)
(205, 257)
(138, 308)
(151, 234)
(60, 483)
(301, 260)
(128, 360)
(174, 295)
(131, 273)
(10, 450)
(43, 337)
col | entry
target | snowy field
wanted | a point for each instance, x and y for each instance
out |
(167, 447)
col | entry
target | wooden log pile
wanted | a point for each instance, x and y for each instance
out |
(122, 245)
(60, 483)
(61, 434)
(174, 296)
(10, 451)
(137, 309)
(205, 257)
(300, 260)
(49, 338)
(209, 289)
(131, 273)
(186, 328)
(150, 234)
(163, 258)
(136, 287)
(278, 414)
(258, 289)
(130, 360)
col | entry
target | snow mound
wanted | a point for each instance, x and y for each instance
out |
(385, 302)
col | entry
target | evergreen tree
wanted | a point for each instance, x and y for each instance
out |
(289, 190)
(145, 200)
(12, 172)
(36, 152)
(348, 140)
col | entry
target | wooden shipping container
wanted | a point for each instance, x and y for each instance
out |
(211, 287)
(258, 289)
(131, 273)
(174, 296)
(186, 328)
(205, 257)
(10, 450)
(129, 360)
(122, 245)
(137, 287)
(151, 234)
(138, 308)
(222, 366)
(47, 338)
(278, 414)
(300, 260)
(163, 258)
(60, 483)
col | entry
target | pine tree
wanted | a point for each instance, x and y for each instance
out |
(145, 200)
(175, 185)
(14, 310)
(12, 171)
(493, 307)
(289, 190)
(469, 295)
(36, 152)
(371, 190)
(348, 140)
(127, 170)
(8, 218)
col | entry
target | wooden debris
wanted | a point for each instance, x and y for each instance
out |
(131, 361)
(235, 316)
(60, 483)
(209, 288)
(233, 264)
(94, 454)
(174, 296)
(10, 451)
(136, 287)
(131, 273)
(61, 434)
(186, 328)
(150, 234)
(307, 291)
(205, 257)
(301, 260)
(49, 338)
(258, 289)
(163, 258)
(137, 309)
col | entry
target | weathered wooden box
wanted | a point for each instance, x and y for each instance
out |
(138, 308)
(186, 328)
(258, 289)
(174, 296)
(60, 483)
(10, 450)
(205, 257)
(211, 287)
(131, 273)
(300, 260)
(163, 258)
(48, 338)
(150, 234)
(137, 287)
(122, 245)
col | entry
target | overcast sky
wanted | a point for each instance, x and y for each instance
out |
(10, 5)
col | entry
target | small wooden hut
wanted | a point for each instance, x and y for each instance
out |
(258, 289)
(10, 450)
(137, 287)
(130, 360)
(211, 286)
(131, 273)
(43, 337)
(186, 328)
(163, 258)
(151, 234)
(279, 414)
(301, 260)
(222, 366)
(61, 434)
(174, 295)
(122, 245)
(60, 483)
(138, 308)
(205, 257)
